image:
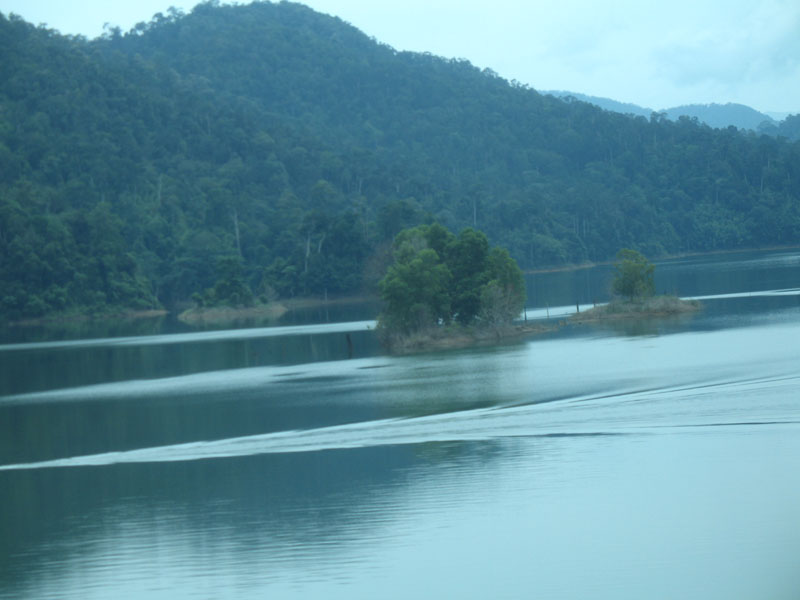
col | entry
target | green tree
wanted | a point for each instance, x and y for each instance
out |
(633, 276)
(503, 298)
(415, 293)
(467, 257)
(230, 289)
(471, 284)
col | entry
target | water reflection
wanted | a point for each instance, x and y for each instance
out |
(210, 519)
(428, 519)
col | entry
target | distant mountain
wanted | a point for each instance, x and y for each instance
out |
(625, 108)
(719, 116)
(271, 150)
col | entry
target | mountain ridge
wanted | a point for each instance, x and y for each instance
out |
(713, 114)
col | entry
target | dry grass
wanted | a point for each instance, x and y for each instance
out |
(224, 314)
(454, 336)
(654, 306)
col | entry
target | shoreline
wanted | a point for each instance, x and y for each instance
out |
(221, 314)
(449, 338)
(270, 311)
(457, 337)
(649, 308)
(226, 314)
(311, 302)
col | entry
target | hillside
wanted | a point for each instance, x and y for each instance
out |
(282, 148)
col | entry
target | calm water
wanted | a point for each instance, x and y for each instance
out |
(655, 459)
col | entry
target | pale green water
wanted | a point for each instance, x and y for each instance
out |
(643, 460)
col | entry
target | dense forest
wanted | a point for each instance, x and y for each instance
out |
(283, 149)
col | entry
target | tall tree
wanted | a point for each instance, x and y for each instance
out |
(633, 275)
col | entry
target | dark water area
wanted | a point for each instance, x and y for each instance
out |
(647, 459)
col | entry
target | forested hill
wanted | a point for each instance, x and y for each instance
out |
(284, 147)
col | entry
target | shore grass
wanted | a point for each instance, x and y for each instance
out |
(455, 336)
(271, 311)
(227, 314)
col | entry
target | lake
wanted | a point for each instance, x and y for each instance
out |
(643, 459)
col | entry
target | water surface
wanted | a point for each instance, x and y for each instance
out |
(654, 459)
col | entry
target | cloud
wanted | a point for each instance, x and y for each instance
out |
(758, 49)
(664, 55)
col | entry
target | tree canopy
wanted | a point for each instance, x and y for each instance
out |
(438, 278)
(633, 275)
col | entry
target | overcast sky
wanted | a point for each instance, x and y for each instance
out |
(654, 54)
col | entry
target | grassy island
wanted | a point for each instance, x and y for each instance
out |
(456, 336)
(214, 315)
(653, 306)
(633, 287)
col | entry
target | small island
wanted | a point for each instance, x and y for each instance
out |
(634, 293)
(448, 291)
(230, 299)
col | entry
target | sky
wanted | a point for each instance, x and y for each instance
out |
(654, 54)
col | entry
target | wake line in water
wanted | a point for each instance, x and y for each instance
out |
(757, 294)
(468, 426)
(203, 336)
(633, 412)
(563, 311)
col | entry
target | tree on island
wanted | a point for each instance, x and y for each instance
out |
(634, 289)
(438, 278)
(633, 277)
